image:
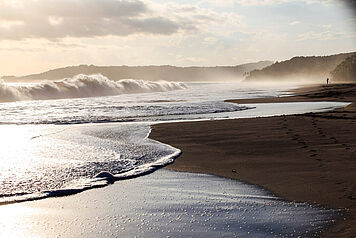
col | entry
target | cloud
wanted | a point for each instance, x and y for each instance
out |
(219, 3)
(294, 23)
(54, 19)
(325, 35)
(326, 26)
(209, 41)
(12, 49)
(272, 2)
(259, 2)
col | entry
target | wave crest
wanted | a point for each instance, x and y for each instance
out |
(82, 86)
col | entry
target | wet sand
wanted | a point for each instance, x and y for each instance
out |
(305, 158)
(165, 204)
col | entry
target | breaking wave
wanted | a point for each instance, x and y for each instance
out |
(82, 86)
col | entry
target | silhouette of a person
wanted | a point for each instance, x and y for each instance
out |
(327, 80)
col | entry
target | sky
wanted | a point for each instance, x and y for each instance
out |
(38, 35)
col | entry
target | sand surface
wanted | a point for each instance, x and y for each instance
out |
(308, 157)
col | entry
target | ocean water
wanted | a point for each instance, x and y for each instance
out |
(73, 142)
(53, 147)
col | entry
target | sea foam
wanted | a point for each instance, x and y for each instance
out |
(82, 86)
(101, 179)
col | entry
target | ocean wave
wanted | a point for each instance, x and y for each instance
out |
(82, 86)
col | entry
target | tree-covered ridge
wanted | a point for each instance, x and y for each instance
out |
(300, 68)
(346, 71)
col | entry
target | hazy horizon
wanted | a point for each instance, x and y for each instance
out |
(170, 65)
(126, 65)
(37, 36)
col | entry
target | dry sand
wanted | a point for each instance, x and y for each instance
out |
(309, 158)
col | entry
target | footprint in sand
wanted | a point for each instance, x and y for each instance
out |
(320, 132)
(346, 147)
(335, 140)
(289, 131)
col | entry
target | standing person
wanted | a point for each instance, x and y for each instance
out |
(327, 80)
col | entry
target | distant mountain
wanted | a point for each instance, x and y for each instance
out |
(299, 69)
(346, 71)
(152, 73)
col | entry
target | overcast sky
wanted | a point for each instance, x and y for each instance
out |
(37, 35)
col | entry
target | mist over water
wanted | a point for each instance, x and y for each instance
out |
(82, 86)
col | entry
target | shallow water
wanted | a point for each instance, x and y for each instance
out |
(163, 204)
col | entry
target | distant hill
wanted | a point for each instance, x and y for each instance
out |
(152, 73)
(346, 70)
(299, 69)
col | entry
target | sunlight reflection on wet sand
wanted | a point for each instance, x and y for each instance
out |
(164, 203)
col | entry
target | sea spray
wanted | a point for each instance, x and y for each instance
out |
(82, 86)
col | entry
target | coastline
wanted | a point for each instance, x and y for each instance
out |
(303, 158)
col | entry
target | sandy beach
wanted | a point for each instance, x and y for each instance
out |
(305, 158)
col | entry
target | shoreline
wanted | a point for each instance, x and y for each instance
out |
(313, 163)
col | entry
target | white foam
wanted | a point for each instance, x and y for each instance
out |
(101, 179)
(82, 86)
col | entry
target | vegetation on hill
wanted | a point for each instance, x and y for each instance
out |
(307, 69)
(346, 71)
